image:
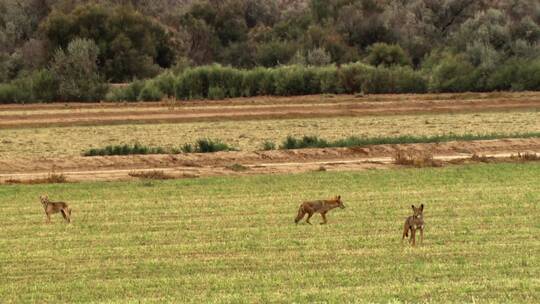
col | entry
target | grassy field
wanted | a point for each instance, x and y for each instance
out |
(233, 239)
(249, 135)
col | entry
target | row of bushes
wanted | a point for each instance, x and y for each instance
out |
(203, 145)
(218, 82)
(315, 142)
(208, 145)
(449, 74)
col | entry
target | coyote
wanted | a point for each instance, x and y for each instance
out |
(413, 223)
(321, 206)
(55, 207)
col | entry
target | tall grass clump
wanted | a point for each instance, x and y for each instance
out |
(206, 145)
(124, 150)
(292, 142)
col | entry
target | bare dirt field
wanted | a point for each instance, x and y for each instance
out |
(261, 108)
(36, 140)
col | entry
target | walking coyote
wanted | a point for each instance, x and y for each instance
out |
(320, 206)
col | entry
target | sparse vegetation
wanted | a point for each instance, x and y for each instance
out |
(237, 167)
(526, 156)
(417, 159)
(268, 145)
(150, 174)
(51, 178)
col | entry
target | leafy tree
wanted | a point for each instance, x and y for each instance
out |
(131, 45)
(77, 72)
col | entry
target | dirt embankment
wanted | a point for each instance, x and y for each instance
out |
(260, 108)
(263, 162)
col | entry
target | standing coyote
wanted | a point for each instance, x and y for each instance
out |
(321, 206)
(55, 207)
(413, 223)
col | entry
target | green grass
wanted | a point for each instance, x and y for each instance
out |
(233, 239)
(292, 142)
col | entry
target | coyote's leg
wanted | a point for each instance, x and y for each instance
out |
(422, 235)
(413, 236)
(300, 216)
(310, 214)
(66, 214)
(48, 217)
(323, 214)
(405, 232)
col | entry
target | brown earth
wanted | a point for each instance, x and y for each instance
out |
(81, 168)
(17, 116)
(263, 162)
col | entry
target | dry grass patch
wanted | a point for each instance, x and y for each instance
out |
(526, 156)
(418, 159)
(153, 174)
(52, 178)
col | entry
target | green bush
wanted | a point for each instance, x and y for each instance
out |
(216, 93)
(452, 74)
(268, 145)
(9, 93)
(206, 145)
(150, 92)
(124, 150)
(305, 142)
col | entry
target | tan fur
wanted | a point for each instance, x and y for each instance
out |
(320, 206)
(413, 223)
(55, 207)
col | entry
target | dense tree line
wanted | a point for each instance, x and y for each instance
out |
(457, 45)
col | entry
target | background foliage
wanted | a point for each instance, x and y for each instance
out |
(457, 45)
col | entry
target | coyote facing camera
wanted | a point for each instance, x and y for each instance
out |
(413, 223)
(55, 207)
(320, 206)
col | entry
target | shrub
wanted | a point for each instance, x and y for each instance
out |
(216, 93)
(165, 83)
(416, 159)
(268, 145)
(124, 150)
(150, 92)
(77, 72)
(387, 55)
(452, 74)
(318, 57)
(206, 145)
(130, 92)
(305, 142)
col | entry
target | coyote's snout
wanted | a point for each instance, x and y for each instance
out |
(55, 207)
(413, 223)
(320, 206)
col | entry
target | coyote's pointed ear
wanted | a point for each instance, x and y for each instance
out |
(422, 207)
(413, 207)
(339, 197)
